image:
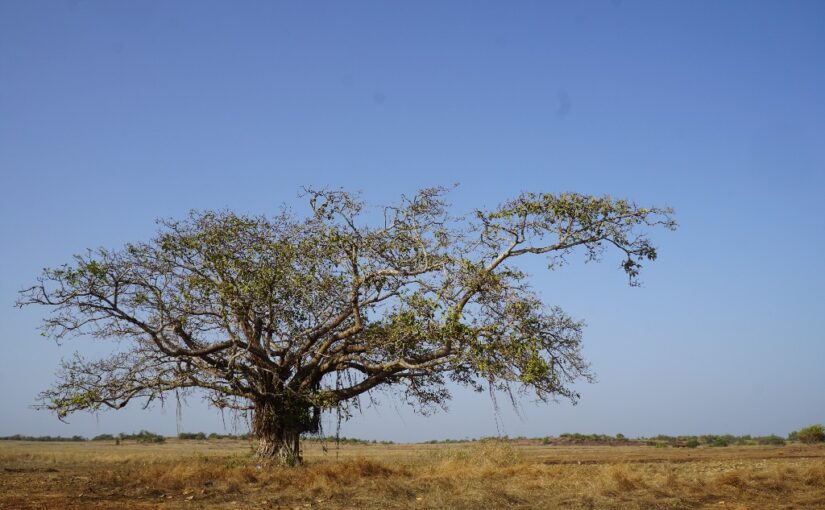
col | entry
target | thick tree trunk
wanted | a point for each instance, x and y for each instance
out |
(277, 425)
(279, 447)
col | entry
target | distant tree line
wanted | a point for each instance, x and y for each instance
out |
(349, 440)
(144, 436)
(18, 437)
(810, 434)
(202, 436)
(714, 440)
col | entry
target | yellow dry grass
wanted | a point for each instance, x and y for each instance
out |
(221, 474)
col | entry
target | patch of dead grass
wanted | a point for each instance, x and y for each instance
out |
(485, 474)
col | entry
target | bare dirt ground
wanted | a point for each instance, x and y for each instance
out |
(222, 475)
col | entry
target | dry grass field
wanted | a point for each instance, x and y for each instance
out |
(221, 474)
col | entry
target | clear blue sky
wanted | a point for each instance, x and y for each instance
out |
(113, 114)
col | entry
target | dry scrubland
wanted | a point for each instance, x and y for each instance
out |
(221, 474)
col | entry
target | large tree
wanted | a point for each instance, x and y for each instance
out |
(289, 316)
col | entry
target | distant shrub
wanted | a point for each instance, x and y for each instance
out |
(692, 443)
(720, 442)
(144, 436)
(811, 434)
(596, 438)
(351, 441)
(772, 440)
(192, 435)
(215, 435)
(446, 441)
(104, 437)
(18, 437)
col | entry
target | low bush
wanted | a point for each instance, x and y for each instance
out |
(192, 435)
(771, 440)
(215, 435)
(811, 434)
(720, 442)
(144, 436)
(18, 437)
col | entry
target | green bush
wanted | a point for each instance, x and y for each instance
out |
(772, 440)
(692, 443)
(144, 436)
(104, 437)
(192, 435)
(18, 437)
(720, 442)
(811, 434)
(215, 435)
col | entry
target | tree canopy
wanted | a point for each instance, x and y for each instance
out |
(288, 316)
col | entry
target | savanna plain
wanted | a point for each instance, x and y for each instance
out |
(219, 474)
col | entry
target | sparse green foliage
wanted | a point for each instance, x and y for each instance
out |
(215, 435)
(144, 436)
(772, 439)
(289, 316)
(713, 440)
(19, 437)
(591, 438)
(192, 435)
(811, 434)
(720, 442)
(350, 441)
